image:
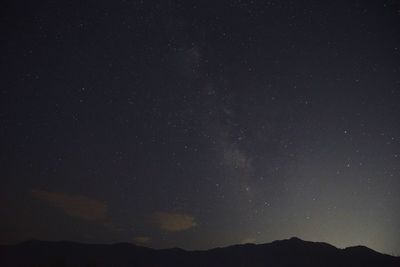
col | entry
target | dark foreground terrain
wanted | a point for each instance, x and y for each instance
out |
(290, 252)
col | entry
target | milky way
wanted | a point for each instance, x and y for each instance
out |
(201, 124)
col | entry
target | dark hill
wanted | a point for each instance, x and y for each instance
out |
(289, 252)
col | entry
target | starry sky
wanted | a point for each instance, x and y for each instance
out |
(199, 124)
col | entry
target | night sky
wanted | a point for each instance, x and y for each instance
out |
(201, 124)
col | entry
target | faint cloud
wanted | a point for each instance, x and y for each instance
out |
(174, 222)
(142, 239)
(74, 205)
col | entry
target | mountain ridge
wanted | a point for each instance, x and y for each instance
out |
(287, 252)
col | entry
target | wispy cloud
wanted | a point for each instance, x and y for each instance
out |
(174, 222)
(74, 205)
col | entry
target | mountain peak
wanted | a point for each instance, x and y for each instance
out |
(296, 239)
(361, 249)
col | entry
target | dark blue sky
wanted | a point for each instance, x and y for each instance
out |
(201, 124)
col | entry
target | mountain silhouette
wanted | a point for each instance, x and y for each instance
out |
(288, 252)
